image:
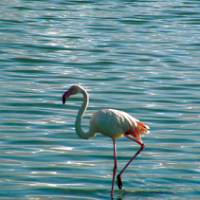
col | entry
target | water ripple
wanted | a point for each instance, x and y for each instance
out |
(141, 57)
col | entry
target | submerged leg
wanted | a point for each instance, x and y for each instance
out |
(114, 168)
(119, 179)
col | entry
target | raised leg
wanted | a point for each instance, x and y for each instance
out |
(114, 168)
(119, 179)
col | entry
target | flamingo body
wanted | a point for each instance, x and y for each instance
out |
(112, 123)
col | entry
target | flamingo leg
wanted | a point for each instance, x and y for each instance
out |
(114, 168)
(119, 179)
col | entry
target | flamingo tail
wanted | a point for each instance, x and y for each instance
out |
(142, 128)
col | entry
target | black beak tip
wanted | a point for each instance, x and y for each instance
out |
(63, 99)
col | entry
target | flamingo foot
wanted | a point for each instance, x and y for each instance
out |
(112, 194)
(119, 181)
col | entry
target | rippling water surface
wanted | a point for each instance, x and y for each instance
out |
(138, 56)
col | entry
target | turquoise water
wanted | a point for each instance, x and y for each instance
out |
(138, 56)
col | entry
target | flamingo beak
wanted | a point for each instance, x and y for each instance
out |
(65, 96)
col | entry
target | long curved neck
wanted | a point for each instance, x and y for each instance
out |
(79, 130)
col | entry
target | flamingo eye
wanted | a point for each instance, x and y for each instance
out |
(73, 90)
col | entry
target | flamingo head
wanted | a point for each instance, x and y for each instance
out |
(74, 89)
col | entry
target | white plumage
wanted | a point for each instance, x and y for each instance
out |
(112, 123)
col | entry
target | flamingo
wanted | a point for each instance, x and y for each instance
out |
(112, 123)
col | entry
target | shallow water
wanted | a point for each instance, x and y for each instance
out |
(138, 56)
